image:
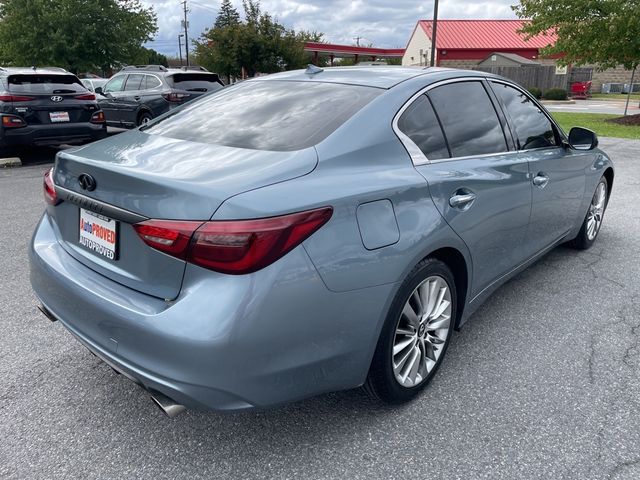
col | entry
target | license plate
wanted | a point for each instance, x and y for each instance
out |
(99, 234)
(57, 117)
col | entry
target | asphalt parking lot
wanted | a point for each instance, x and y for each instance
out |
(543, 382)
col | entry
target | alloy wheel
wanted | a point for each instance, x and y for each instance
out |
(596, 211)
(422, 331)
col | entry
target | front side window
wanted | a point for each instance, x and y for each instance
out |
(470, 122)
(115, 84)
(420, 124)
(533, 128)
(267, 114)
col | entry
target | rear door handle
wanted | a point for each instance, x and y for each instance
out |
(136, 97)
(541, 180)
(462, 200)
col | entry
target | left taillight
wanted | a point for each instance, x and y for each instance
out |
(233, 246)
(50, 195)
(13, 121)
(85, 96)
(98, 117)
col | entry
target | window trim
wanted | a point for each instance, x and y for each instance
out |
(560, 135)
(419, 158)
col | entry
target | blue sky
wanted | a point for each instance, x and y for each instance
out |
(386, 24)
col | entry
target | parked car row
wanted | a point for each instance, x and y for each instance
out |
(51, 106)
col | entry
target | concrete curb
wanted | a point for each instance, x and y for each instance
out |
(10, 162)
(558, 102)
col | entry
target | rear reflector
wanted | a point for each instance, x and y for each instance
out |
(235, 246)
(50, 195)
(13, 121)
(85, 96)
(5, 97)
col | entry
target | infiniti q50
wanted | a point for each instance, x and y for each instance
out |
(308, 231)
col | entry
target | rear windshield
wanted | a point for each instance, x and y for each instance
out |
(195, 82)
(45, 84)
(267, 115)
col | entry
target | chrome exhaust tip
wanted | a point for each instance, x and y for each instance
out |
(170, 408)
(46, 313)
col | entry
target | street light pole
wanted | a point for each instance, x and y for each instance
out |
(434, 30)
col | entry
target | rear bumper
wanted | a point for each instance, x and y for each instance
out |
(70, 133)
(227, 342)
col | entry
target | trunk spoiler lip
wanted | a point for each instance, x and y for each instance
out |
(98, 206)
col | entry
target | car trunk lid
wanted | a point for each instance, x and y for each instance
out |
(137, 176)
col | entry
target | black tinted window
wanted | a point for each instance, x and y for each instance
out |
(419, 123)
(134, 82)
(45, 84)
(468, 118)
(533, 128)
(267, 114)
(195, 82)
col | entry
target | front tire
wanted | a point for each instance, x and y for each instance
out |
(415, 335)
(593, 220)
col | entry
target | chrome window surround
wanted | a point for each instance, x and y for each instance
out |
(419, 158)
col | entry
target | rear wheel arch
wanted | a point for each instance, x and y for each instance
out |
(454, 259)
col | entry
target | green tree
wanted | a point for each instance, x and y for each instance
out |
(601, 32)
(259, 44)
(149, 56)
(80, 35)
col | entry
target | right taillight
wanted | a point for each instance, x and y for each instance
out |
(233, 246)
(50, 195)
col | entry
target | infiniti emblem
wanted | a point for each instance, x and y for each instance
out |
(87, 182)
(56, 98)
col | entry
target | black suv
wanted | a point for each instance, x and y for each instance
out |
(47, 106)
(140, 93)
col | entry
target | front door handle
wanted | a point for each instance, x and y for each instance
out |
(462, 200)
(137, 97)
(541, 180)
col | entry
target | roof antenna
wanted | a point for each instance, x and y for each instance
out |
(313, 69)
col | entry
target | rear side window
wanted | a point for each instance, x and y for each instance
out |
(134, 82)
(533, 128)
(420, 124)
(45, 84)
(151, 82)
(469, 119)
(194, 82)
(267, 114)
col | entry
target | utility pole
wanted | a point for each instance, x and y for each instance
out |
(180, 47)
(433, 34)
(186, 32)
(357, 39)
(626, 105)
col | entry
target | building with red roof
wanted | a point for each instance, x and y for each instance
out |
(465, 43)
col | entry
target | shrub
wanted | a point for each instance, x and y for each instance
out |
(536, 92)
(555, 94)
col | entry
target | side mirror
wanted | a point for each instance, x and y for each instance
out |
(582, 139)
(98, 90)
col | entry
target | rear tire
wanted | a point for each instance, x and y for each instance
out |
(417, 330)
(593, 220)
(144, 118)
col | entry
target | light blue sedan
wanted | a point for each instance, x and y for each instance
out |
(308, 231)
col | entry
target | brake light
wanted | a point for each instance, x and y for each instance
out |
(85, 96)
(5, 97)
(97, 117)
(233, 246)
(175, 97)
(50, 195)
(13, 121)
